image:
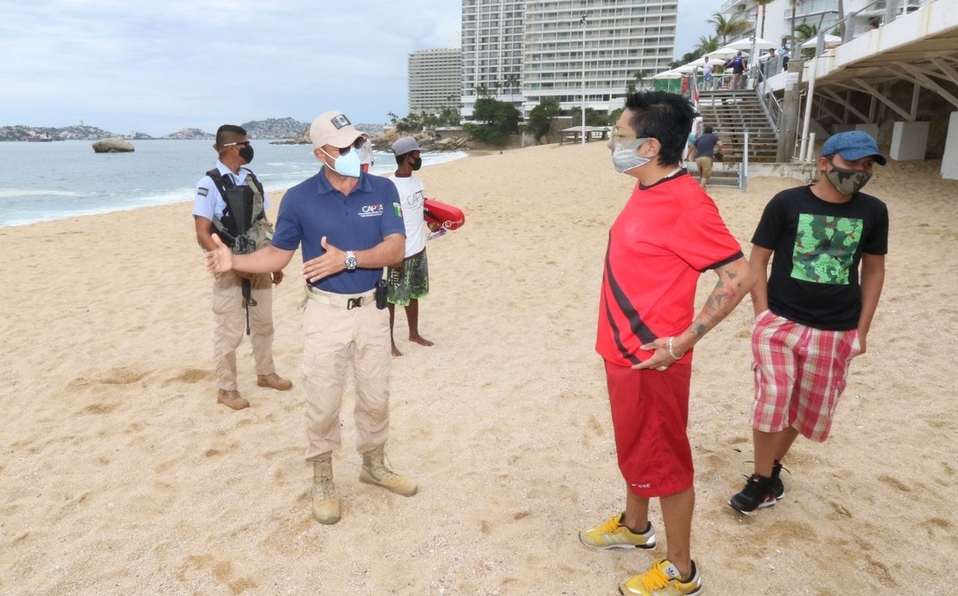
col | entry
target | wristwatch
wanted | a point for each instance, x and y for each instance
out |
(350, 260)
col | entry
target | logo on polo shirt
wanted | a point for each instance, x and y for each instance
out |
(371, 211)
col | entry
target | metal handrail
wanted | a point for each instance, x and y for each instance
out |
(743, 167)
(770, 104)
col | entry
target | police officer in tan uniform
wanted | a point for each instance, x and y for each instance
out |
(233, 311)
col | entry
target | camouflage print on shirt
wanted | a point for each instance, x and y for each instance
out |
(825, 248)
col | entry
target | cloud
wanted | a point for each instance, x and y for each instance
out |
(201, 62)
(693, 23)
(162, 66)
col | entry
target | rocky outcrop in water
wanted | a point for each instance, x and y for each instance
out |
(112, 145)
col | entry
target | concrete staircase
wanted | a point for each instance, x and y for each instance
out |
(724, 173)
(731, 113)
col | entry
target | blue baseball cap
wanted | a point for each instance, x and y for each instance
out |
(853, 145)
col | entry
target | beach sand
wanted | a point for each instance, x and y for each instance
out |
(119, 473)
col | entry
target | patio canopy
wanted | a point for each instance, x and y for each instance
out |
(721, 54)
(668, 74)
(746, 44)
(830, 40)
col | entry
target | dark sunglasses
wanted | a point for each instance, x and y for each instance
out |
(242, 143)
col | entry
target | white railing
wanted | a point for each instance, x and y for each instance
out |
(743, 167)
(770, 104)
(729, 4)
(890, 10)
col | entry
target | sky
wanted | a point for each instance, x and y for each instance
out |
(159, 67)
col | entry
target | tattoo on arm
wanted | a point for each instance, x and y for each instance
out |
(720, 302)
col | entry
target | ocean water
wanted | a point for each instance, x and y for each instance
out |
(46, 181)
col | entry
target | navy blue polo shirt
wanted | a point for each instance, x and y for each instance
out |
(313, 209)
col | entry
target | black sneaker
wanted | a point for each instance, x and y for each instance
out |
(778, 487)
(757, 494)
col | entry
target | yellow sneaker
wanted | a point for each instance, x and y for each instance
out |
(663, 579)
(612, 534)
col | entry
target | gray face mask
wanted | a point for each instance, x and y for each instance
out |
(847, 182)
(625, 156)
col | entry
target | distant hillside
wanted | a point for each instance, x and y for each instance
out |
(371, 129)
(275, 128)
(189, 134)
(271, 128)
(66, 133)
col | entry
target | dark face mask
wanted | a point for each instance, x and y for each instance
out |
(246, 153)
(847, 182)
(416, 163)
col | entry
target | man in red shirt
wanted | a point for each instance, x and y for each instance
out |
(666, 235)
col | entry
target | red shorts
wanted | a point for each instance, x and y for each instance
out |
(650, 413)
(800, 372)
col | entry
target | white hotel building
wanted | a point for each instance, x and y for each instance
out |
(526, 51)
(435, 80)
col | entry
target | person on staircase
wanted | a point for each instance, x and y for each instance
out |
(705, 148)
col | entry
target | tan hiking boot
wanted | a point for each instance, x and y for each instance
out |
(374, 471)
(232, 399)
(325, 504)
(274, 381)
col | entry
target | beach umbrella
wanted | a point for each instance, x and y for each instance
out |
(746, 44)
(830, 40)
(668, 74)
(723, 53)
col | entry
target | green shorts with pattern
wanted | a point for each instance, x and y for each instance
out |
(412, 283)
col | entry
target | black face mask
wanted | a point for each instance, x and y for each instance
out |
(416, 163)
(847, 182)
(246, 153)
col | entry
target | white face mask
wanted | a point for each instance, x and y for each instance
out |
(347, 164)
(625, 155)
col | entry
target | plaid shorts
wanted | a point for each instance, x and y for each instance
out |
(800, 372)
(412, 283)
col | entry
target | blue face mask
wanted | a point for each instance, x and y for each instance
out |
(346, 165)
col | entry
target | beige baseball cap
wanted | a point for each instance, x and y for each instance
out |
(333, 128)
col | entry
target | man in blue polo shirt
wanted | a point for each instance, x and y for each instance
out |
(350, 226)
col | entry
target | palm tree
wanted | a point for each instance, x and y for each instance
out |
(728, 27)
(804, 32)
(640, 77)
(512, 82)
(762, 3)
(707, 45)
